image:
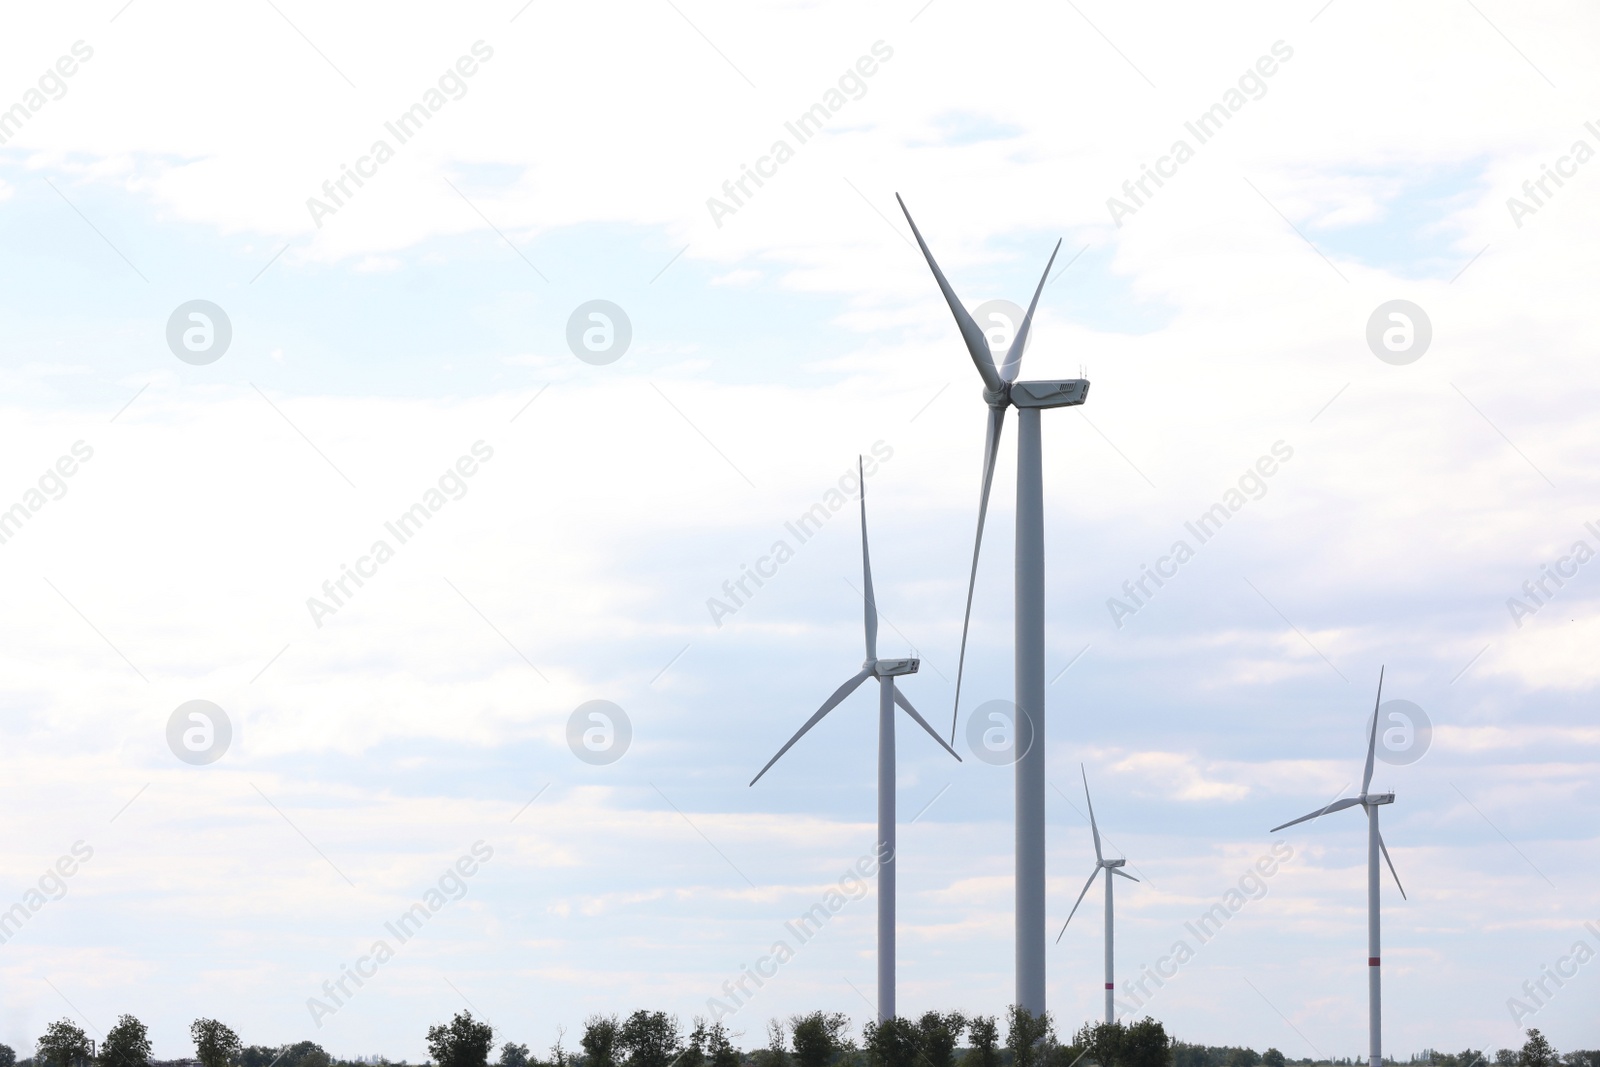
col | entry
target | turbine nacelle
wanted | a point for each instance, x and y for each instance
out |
(1372, 800)
(892, 668)
(1114, 863)
(1062, 393)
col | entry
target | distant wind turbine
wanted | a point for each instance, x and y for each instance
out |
(886, 671)
(1111, 867)
(1372, 802)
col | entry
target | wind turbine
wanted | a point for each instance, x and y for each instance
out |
(1001, 390)
(886, 671)
(1372, 802)
(1111, 867)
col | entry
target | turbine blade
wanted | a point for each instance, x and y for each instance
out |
(1372, 741)
(900, 698)
(832, 702)
(1092, 876)
(991, 452)
(1013, 361)
(977, 343)
(1123, 873)
(866, 570)
(1392, 871)
(1337, 805)
(1092, 827)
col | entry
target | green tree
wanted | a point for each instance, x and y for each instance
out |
(721, 1053)
(127, 1044)
(819, 1037)
(559, 1057)
(649, 1039)
(1506, 1057)
(599, 1041)
(891, 1043)
(8, 1056)
(984, 1036)
(776, 1054)
(1146, 1044)
(1243, 1057)
(462, 1042)
(694, 1049)
(1029, 1037)
(1069, 1054)
(513, 1055)
(709, 1046)
(1273, 1058)
(1186, 1055)
(1101, 1043)
(938, 1034)
(64, 1044)
(299, 1054)
(1536, 1052)
(215, 1045)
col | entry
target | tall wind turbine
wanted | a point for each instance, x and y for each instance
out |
(1111, 867)
(1001, 390)
(886, 671)
(1371, 802)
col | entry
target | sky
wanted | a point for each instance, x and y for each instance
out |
(581, 509)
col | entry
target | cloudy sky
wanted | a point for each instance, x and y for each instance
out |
(385, 339)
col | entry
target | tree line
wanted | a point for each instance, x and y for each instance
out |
(814, 1039)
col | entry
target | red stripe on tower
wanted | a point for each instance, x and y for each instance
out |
(1110, 986)
(1372, 961)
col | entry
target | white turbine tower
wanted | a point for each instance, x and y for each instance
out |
(886, 671)
(1371, 802)
(1111, 867)
(1001, 390)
